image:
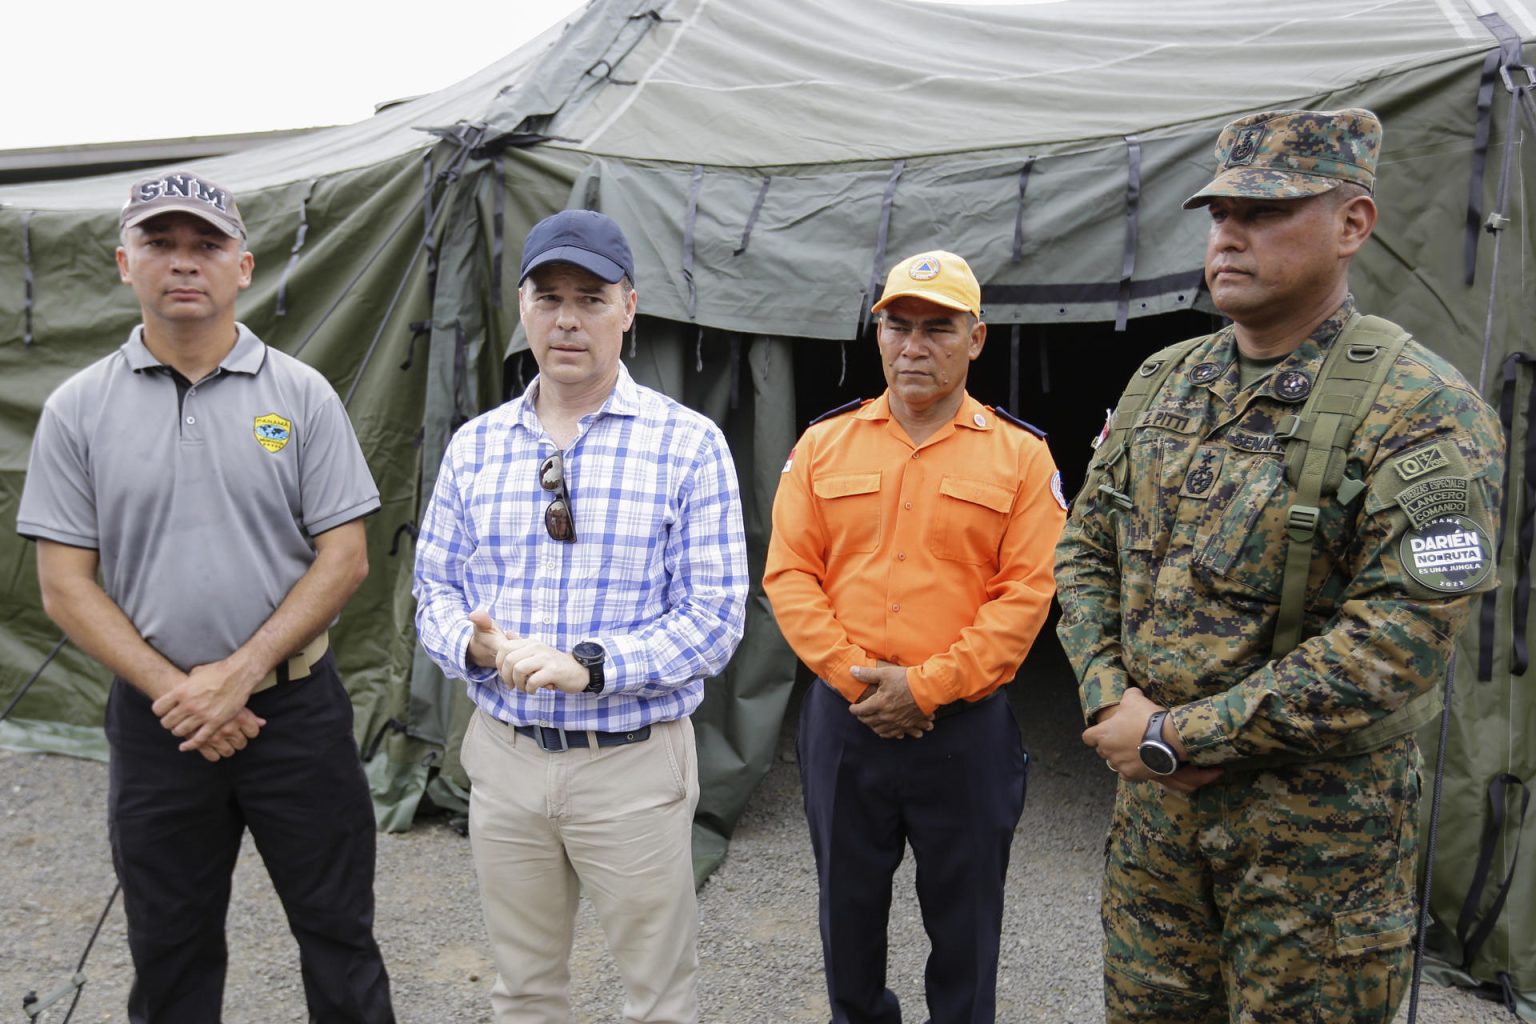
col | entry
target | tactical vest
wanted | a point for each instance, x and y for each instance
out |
(1317, 442)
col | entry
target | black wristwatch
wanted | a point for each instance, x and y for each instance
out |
(1155, 754)
(591, 656)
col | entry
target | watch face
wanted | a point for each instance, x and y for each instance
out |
(1158, 758)
(589, 653)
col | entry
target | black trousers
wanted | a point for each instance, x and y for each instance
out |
(955, 795)
(176, 824)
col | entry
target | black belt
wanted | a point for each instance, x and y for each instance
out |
(956, 707)
(557, 741)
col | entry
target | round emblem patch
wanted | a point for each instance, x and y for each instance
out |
(1204, 373)
(925, 269)
(1293, 385)
(1449, 554)
(1056, 492)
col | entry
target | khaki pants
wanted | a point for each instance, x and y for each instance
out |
(616, 822)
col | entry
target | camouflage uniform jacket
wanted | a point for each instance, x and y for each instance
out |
(1179, 594)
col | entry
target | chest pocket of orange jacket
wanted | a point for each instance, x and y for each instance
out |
(850, 507)
(969, 520)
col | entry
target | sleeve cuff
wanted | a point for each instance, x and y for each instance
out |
(458, 647)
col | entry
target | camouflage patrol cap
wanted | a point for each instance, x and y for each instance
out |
(1289, 154)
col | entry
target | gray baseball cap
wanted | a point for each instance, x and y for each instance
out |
(187, 193)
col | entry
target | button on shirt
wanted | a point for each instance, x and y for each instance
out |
(936, 557)
(657, 574)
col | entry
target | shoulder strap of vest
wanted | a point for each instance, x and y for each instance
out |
(1110, 468)
(1317, 442)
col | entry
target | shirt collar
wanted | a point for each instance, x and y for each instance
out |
(971, 413)
(623, 400)
(248, 355)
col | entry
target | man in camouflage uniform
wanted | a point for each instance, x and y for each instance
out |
(1268, 876)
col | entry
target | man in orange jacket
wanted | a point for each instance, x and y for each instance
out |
(910, 569)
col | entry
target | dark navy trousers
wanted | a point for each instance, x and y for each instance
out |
(176, 824)
(956, 796)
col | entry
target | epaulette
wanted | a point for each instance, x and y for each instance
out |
(1004, 414)
(845, 407)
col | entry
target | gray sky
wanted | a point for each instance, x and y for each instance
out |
(104, 71)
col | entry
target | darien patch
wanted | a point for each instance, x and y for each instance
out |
(1420, 461)
(1450, 554)
(1429, 499)
(272, 432)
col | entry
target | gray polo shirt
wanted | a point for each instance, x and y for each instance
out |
(202, 498)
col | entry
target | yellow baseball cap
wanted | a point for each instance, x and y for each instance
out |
(938, 276)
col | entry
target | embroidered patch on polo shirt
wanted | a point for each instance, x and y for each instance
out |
(272, 432)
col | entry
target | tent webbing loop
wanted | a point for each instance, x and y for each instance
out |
(466, 141)
(1436, 791)
(293, 254)
(1471, 938)
(26, 276)
(881, 237)
(1487, 615)
(1132, 228)
(498, 226)
(695, 183)
(757, 207)
(411, 530)
(1490, 75)
(419, 328)
(1018, 215)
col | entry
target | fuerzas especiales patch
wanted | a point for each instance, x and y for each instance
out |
(1450, 554)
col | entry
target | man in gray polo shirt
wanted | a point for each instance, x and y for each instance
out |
(217, 486)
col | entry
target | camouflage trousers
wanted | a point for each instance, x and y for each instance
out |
(1267, 897)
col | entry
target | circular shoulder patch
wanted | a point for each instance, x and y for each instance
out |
(1449, 554)
(1293, 385)
(1204, 373)
(1061, 499)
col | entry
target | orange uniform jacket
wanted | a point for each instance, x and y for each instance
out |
(935, 557)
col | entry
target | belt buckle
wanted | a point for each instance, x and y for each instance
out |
(538, 736)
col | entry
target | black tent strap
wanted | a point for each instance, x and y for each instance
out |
(757, 207)
(1471, 940)
(689, 218)
(1480, 162)
(735, 371)
(460, 374)
(428, 216)
(1181, 283)
(1527, 540)
(498, 226)
(881, 237)
(1132, 228)
(1018, 215)
(1488, 613)
(293, 254)
(26, 275)
(419, 329)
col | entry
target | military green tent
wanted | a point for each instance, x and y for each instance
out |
(769, 161)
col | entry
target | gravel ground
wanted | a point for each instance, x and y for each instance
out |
(759, 950)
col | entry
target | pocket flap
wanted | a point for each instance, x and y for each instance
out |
(978, 492)
(840, 485)
(1385, 926)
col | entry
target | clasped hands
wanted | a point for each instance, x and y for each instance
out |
(887, 706)
(523, 664)
(1116, 736)
(206, 709)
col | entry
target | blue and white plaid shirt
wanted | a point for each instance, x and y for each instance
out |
(657, 575)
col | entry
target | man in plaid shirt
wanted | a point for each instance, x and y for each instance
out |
(582, 565)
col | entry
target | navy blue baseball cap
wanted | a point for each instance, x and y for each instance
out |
(585, 238)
